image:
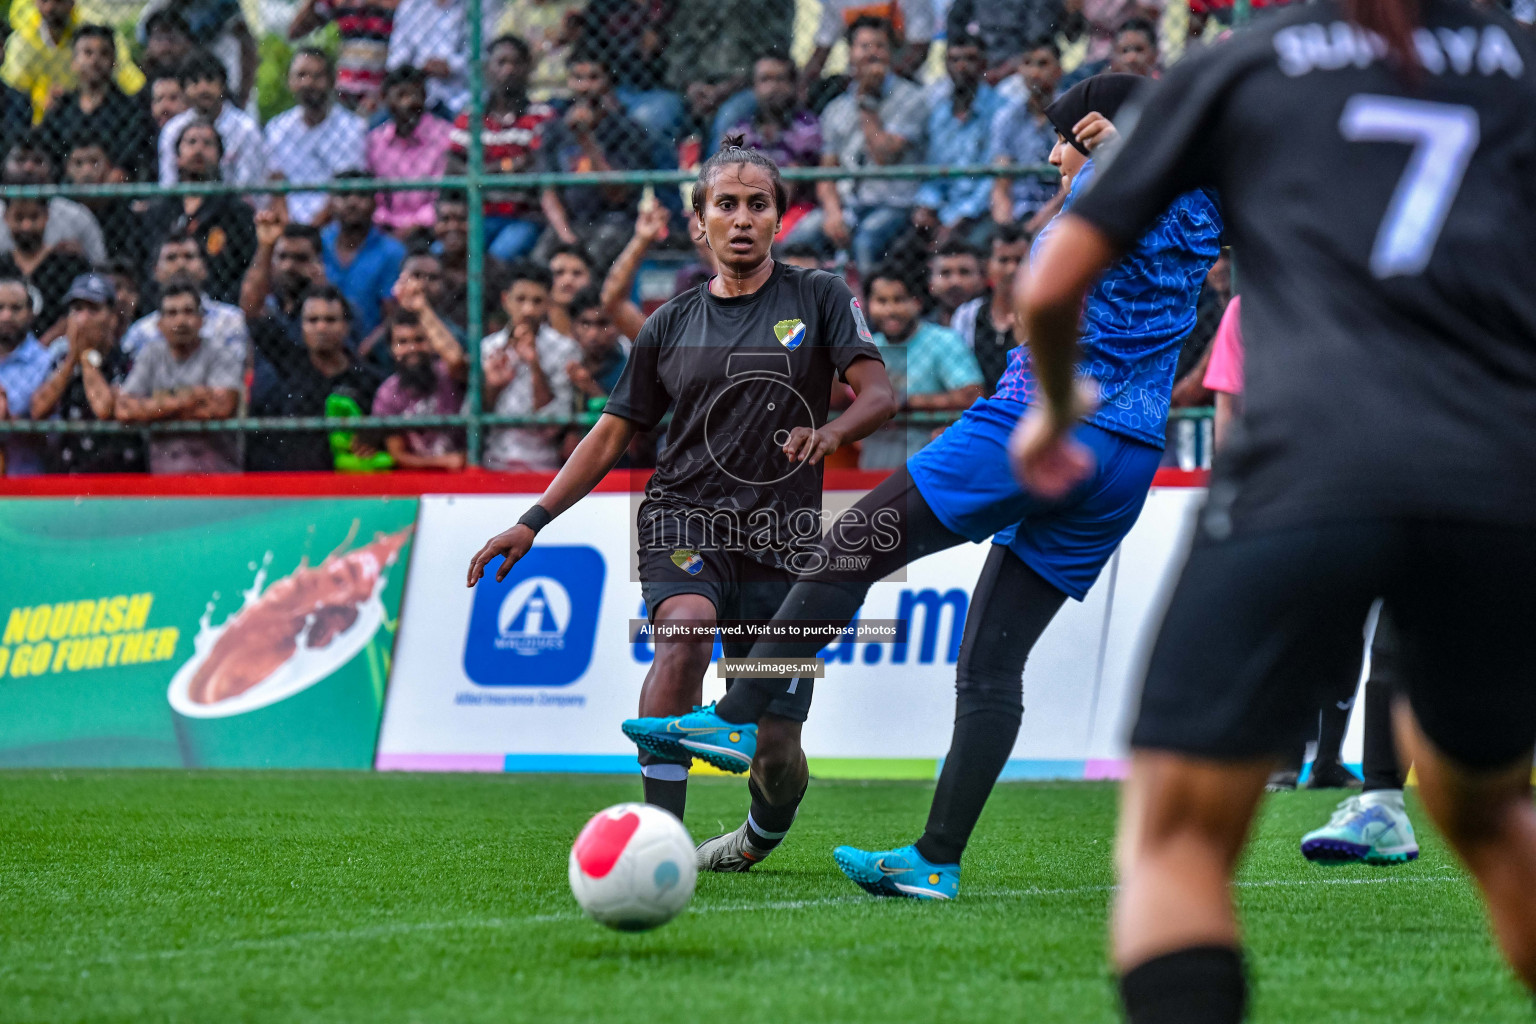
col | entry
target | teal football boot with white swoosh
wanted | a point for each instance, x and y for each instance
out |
(701, 733)
(903, 872)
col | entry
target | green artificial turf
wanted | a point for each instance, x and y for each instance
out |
(359, 897)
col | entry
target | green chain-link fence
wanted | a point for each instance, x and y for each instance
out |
(270, 152)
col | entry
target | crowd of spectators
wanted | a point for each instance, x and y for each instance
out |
(313, 303)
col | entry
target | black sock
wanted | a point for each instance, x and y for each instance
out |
(1199, 985)
(768, 824)
(1381, 769)
(665, 784)
(1010, 607)
(1330, 736)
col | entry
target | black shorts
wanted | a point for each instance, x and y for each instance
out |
(1264, 627)
(740, 588)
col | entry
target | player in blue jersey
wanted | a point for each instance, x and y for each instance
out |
(960, 488)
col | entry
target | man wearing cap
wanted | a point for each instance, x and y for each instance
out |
(88, 368)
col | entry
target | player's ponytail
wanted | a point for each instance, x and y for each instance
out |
(734, 151)
(1395, 22)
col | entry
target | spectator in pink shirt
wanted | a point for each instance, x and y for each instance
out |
(412, 144)
(1224, 373)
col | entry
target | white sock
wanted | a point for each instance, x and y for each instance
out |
(1390, 798)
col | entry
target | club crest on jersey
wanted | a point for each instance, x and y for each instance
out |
(790, 333)
(688, 560)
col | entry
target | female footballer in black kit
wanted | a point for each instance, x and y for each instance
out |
(746, 363)
(1374, 162)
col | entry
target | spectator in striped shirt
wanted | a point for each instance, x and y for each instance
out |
(364, 27)
(510, 136)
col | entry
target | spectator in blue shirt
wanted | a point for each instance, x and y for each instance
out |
(361, 260)
(930, 367)
(960, 114)
(1022, 136)
(24, 365)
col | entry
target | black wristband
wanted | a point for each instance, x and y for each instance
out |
(536, 518)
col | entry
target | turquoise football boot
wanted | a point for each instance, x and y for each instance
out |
(701, 733)
(903, 872)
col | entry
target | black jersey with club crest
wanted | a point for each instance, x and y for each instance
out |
(739, 374)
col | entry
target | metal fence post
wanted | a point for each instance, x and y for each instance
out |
(474, 317)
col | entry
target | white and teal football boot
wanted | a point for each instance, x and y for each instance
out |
(1370, 828)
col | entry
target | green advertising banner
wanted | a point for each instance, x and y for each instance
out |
(198, 632)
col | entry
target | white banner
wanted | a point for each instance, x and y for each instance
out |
(535, 674)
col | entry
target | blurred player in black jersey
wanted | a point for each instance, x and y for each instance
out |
(1374, 160)
(746, 363)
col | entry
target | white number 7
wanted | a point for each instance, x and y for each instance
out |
(1443, 137)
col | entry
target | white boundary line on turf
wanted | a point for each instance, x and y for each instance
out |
(418, 927)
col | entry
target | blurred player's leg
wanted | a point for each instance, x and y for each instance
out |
(1466, 717)
(1328, 771)
(1487, 816)
(1234, 681)
(1182, 827)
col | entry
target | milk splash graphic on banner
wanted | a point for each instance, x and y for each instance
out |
(287, 637)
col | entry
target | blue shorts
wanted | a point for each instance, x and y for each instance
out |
(964, 476)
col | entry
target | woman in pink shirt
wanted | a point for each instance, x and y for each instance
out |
(1224, 373)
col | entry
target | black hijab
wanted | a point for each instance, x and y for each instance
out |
(1104, 94)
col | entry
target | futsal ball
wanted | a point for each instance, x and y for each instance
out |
(633, 867)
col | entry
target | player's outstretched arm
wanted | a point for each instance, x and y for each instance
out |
(589, 463)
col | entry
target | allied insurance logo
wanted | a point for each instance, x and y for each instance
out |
(538, 626)
(534, 617)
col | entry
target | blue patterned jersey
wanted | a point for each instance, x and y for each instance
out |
(1136, 316)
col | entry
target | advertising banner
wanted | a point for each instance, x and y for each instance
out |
(536, 673)
(218, 633)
